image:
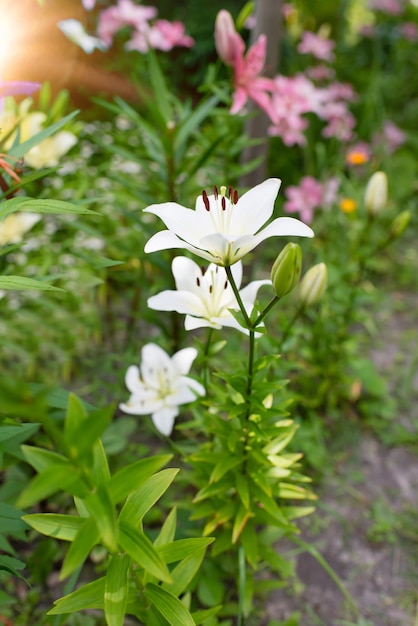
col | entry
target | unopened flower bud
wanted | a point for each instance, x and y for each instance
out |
(376, 194)
(225, 37)
(313, 285)
(286, 269)
(400, 223)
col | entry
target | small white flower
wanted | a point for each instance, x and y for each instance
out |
(160, 385)
(75, 32)
(222, 229)
(205, 295)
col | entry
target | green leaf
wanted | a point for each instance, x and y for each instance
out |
(116, 589)
(99, 472)
(87, 537)
(19, 151)
(102, 510)
(11, 565)
(184, 572)
(42, 206)
(19, 283)
(168, 605)
(41, 459)
(243, 490)
(83, 429)
(141, 550)
(75, 416)
(142, 499)
(224, 465)
(288, 490)
(241, 518)
(64, 527)
(191, 123)
(200, 617)
(168, 530)
(59, 477)
(90, 596)
(129, 478)
(161, 94)
(182, 548)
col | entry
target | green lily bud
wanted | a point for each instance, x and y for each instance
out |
(286, 269)
(376, 194)
(313, 285)
(400, 223)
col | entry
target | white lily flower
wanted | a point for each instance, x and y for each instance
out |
(222, 228)
(205, 295)
(75, 32)
(160, 385)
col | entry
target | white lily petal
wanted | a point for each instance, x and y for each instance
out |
(154, 361)
(132, 379)
(164, 420)
(220, 247)
(186, 274)
(180, 301)
(255, 207)
(137, 405)
(249, 293)
(182, 221)
(167, 240)
(183, 360)
(185, 393)
(192, 323)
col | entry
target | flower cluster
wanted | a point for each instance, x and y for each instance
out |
(286, 99)
(309, 195)
(145, 30)
(222, 229)
(22, 121)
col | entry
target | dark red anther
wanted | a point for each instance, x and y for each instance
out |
(230, 191)
(235, 200)
(223, 203)
(210, 288)
(203, 270)
(215, 192)
(226, 284)
(206, 200)
(198, 281)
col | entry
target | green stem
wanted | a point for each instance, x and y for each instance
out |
(250, 372)
(265, 311)
(205, 372)
(238, 296)
(241, 585)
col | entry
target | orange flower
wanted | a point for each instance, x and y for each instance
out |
(348, 205)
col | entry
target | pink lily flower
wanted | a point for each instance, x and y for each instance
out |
(247, 81)
(125, 13)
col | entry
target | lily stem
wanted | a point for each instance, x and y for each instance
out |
(205, 372)
(238, 297)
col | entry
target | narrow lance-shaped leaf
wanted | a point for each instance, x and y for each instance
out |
(169, 606)
(90, 596)
(116, 589)
(64, 527)
(18, 151)
(130, 477)
(141, 550)
(141, 500)
(20, 283)
(87, 537)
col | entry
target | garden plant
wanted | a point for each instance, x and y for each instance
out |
(185, 352)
